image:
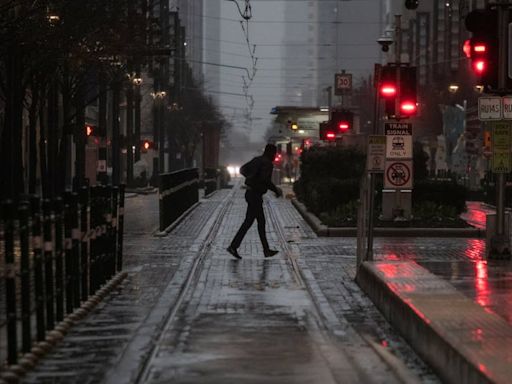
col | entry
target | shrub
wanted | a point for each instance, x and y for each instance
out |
(343, 215)
(329, 178)
(441, 193)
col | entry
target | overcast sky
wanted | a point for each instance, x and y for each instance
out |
(266, 31)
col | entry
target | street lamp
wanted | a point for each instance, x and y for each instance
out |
(453, 88)
(158, 95)
(135, 79)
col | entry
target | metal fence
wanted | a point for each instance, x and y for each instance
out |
(54, 255)
(211, 180)
(178, 192)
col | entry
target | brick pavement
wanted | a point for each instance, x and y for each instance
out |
(261, 290)
(93, 345)
(252, 321)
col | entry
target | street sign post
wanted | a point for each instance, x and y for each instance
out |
(376, 154)
(506, 107)
(489, 108)
(398, 174)
(398, 140)
(501, 140)
(342, 83)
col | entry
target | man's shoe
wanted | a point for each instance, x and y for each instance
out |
(234, 252)
(270, 252)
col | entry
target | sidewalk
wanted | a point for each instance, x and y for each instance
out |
(296, 318)
(451, 304)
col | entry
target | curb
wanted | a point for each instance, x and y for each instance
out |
(324, 231)
(28, 361)
(430, 333)
(176, 222)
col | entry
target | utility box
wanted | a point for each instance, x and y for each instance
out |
(396, 204)
(490, 229)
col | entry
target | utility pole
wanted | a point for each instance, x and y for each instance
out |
(137, 117)
(101, 168)
(116, 145)
(129, 128)
(500, 243)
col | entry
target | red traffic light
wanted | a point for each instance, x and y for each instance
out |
(408, 107)
(145, 145)
(479, 66)
(330, 136)
(344, 126)
(467, 48)
(388, 90)
(89, 130)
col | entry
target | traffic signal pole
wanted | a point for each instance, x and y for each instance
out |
(500, 243)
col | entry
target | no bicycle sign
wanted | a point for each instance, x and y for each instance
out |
(398, 174)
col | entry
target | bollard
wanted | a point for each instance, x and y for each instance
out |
(10, 282)
(93, 241)
(75, 249)
(85, 211)
(24, 234)
(100, 235)
(37, 249)
(109, 251)
(59, 258)
(68, 226)
(115, 211)
(120, 228)
(48, 263)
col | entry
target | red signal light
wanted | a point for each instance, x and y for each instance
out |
(467, 48)
(480, 66)
(146, 145)
(330, 135)
(89, 130)
(343, 126)
(480, 48)
(388, 90)
(408, 107)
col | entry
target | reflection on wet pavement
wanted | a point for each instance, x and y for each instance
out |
(462, 263)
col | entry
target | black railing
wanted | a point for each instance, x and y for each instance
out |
(211, 180)
(54, 255)
(178, 192)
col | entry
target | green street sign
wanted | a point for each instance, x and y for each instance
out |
(501, 140)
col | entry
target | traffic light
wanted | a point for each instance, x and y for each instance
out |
(399, 91)
(89, 130)
(342, 121)
(483, 48)
(294, 126)
(327, 131)
(408, 95)
(388, 88)
(146, 145)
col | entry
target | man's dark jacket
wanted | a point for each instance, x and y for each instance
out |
(258, 175)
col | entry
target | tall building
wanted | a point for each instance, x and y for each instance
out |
(211, 48)
(300, 53)
(323, 38)
(190, 13)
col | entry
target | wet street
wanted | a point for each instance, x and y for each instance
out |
(188, 312)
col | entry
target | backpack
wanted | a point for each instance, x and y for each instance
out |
(248, 169)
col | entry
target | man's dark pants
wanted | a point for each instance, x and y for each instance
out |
(254, 212)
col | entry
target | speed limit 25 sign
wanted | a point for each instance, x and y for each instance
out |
(342, 83)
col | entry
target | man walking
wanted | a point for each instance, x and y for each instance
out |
(258, 179)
